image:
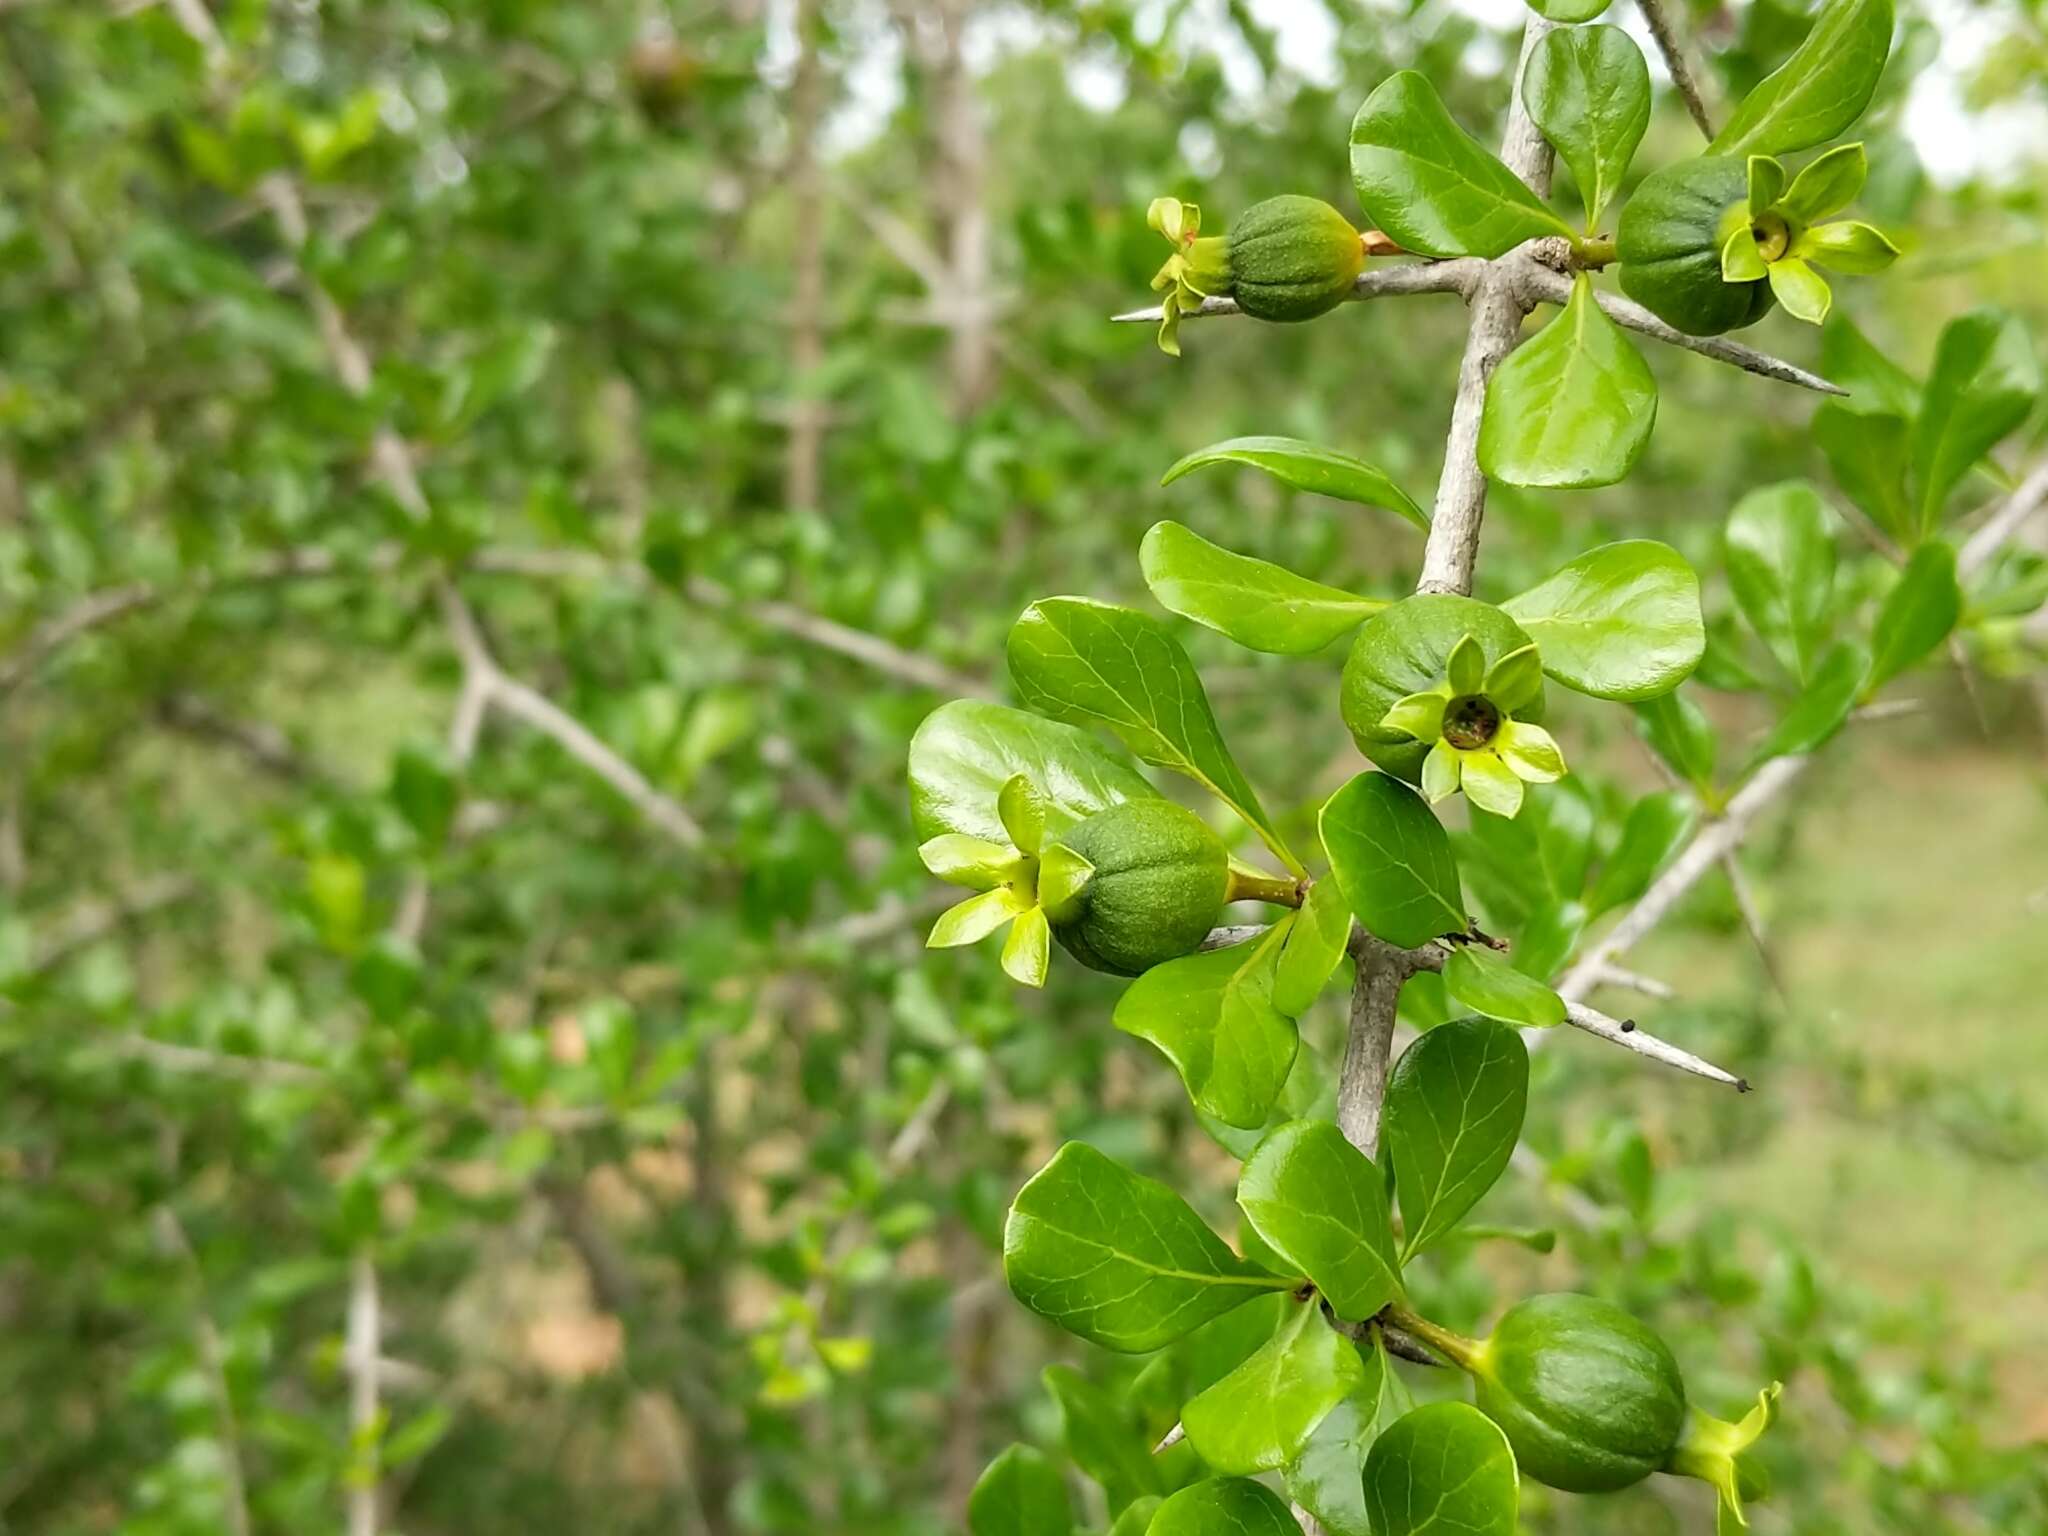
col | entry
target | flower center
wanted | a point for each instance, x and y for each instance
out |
(1773, 235)
(1471, 721)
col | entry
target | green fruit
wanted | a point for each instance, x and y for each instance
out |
(1589, 1397)
(1670, 244)
(1156, 890)
(1292, 258)
(1406, 648)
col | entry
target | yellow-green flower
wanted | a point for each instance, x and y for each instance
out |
(1776, 233)
(1017, 884)
(1476, 743)
(1196, 269)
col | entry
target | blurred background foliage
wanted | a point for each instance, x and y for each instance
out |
(755, 368)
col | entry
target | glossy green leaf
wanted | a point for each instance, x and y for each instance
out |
(1588, 89)
(1429, 184)
(1021, 1494)
(1137, 1518)
(1571, 408)
(1310, 1093)
(1867, 452)
(1620, 622)
(1393, 860)
(1917, 615)
(1484, 982)
(1258, 1417)
(1569, 12)
(1102, 1438)
(1118, 1259)
(1315, 948)
(1680, 734)
(1079, 660)
(1986, 379)
(1322, 1206)
(1307, 466)
(1212, 1015)
(1781, 564)
(1820, 90)
(1821, 707)
(1657, 827)
(965, 752)
(1224, 1506)
(1326, 1479)
(1443, 1470)
(1263, 607)
(1875, 383)
(1454, 1110)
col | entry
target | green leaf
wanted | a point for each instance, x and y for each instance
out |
(1917, 615)
(1568, 12)
(1120, 1260)
(1258, 1417)
(1322, 1206)
(1875, 383)
(1307, 467)
(1827, 184)
(1572, 408)
(1430, 185)
(1820, 90)
(1315, 947)
(1261, 606)
(965, 752)
(1620, 622)
(1137, 1519)
(1224, 1506)
(1985, 381)
(1867, 453)
(1682, 736)
(1821, 707)
(1588, 89)
(1310, 1093)
(1657, 826)
(1102, 1438)
(1020, 1494)
(1454, 1110)
(1079, 660)
(1212, 1015)
(424, 789)
(1781, 563)
(1486, 983)
(1393, 860)
(1325, 1479)
(1444, 1468)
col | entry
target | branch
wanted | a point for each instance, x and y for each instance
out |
(2027, 498)
(360, 1355)
(1666, 37)
(1705, 851)
(1537, 282)
(1368, 1043)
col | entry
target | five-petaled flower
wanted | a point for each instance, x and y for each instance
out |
(1477, 744)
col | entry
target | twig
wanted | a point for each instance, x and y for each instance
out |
(267, 747)
(1625, 1034)
(1668, 45)
(1753, 922)
(1700, 855)
(360, 1354)
(170, 1235)
(870, 650)
(1369, 1041)
(2027, 498)
(1636, 981)
(188, 1058)
(1537, 282)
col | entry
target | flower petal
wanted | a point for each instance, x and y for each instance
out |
(1467, 666)
(1490, 784)
(1062, 877)
(976, 918)
(1516, 680)
(1531, 752)
(1741, 261)
(1421, 715)
(1803, 291)
(1440, 772)
(974, 862)
(1026, 949)
(1022, 811)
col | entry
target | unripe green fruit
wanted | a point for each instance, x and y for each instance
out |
(1670, 243)
(1292, 258)
(1405, 649)
(1590, 1398)
(1157, 888)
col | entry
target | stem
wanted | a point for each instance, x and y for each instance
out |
(1454, 1347)
(1375, 996)
(1595, 252)
(1257, 885)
